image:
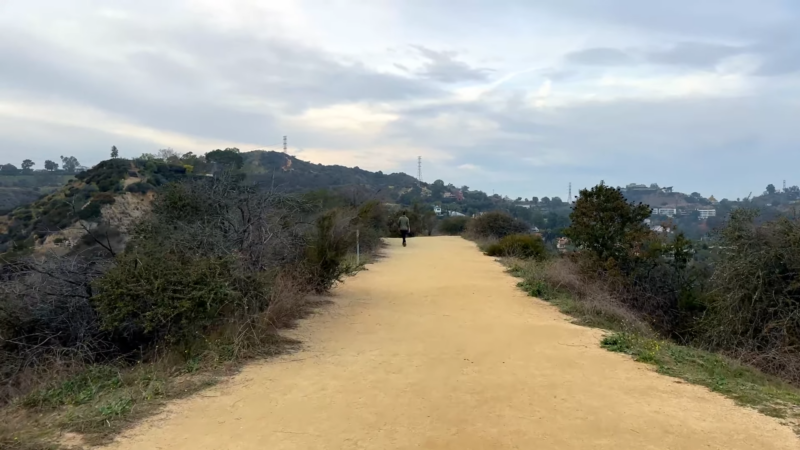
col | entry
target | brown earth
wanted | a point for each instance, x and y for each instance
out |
(435, 348)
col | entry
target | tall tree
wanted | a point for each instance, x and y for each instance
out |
(27, 165)
(114, 152)
(50, 165)
(535, 201)
(770, 189)
(606, 224)
(170, 155)
(227, 157)
(70, 163)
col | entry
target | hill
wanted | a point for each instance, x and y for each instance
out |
(53, 219)
(287, 173)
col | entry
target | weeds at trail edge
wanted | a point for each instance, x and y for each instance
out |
(551, 282)
(96, 402)
(744, 384)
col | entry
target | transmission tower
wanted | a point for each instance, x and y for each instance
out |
(419, 170)
(784, 185)
(284, 144)
(569, 196)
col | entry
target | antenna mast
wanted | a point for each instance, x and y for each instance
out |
(419, 170)
(284, 144)
(569, 197)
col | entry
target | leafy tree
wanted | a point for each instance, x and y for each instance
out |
(770, 189)
(50, 165)
(230, 157)
(654, 186)
(535, 200)
(114, 152)
(606, 224)
(556, 221)
(69, 163)
(556, 201)
(8, 168)
(27, 165)
(546, 201)
(169, 155)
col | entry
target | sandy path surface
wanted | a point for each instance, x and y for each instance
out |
(434, 347)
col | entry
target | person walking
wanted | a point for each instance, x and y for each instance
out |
(405, 227)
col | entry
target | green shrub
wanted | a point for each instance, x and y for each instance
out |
(454, 226)
(153, 294)
(524, 246)
(107, 175)
(497, 224)
(140, 187)
(326, 256)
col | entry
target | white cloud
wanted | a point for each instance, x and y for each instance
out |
(469, 167)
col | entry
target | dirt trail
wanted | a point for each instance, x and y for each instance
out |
(435, 348)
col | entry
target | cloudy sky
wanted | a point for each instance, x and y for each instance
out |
(519, 97)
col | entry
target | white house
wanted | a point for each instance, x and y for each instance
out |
(438, 210)
(706, 213)
(456, 214)
(669, 212)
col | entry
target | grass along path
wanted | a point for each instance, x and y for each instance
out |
(746, 385)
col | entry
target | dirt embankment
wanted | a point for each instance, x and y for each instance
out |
(436, 348)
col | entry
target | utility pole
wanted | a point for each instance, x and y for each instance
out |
(419, 170)
(784, 185)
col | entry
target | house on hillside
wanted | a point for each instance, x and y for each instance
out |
(665, 211)
(456, 214)
(713, 200)
(561, 244)
(705, 213)
(437, 210)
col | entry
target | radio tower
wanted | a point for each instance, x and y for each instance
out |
(784, 185)
(569, 197)
(419, 170)
(284, 144)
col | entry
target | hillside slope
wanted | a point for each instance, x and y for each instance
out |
(289, 174)
(52, 220)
